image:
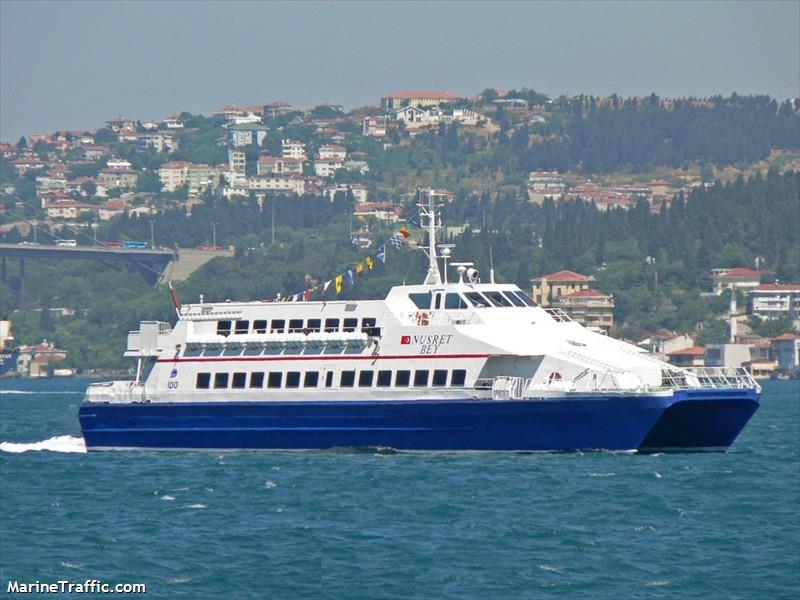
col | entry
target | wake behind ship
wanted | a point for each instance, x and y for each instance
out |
(443, 365)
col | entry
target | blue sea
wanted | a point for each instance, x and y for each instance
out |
(406, 525)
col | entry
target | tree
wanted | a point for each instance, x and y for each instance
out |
(149, 181)
(22, 144)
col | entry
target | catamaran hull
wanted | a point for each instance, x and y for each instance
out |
(619, 423)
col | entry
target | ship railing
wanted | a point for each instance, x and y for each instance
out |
(559, 315)
(124, 392)
(709, 378)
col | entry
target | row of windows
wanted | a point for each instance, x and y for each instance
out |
(242, 326)
(347, 379)
(454, 301)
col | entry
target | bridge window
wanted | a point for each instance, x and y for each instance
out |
(365, 379)
(295, 325)
(439, 378)
(242, 327)
(454, 301)
(293, 379)
(477, 300)
(260, 326)
(525, 298)
(203, 381)
(384, 378)
(421, 300)
(224, 328)
(331, 325)
(220, 380)
(257, 380)
(278, 326)
(513, 298)
(347, 378)
(311, 379)
(275, 379)
(402, 378)
(458, 378)
(350, 325)
(498, 299)
(239, 381)
(314, 325)
(421, 378)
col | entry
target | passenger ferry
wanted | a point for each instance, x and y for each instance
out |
(450, 364)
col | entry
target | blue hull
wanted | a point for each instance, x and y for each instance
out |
(580, 423)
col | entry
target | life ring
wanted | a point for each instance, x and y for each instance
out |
(554, 376)
(423, 318)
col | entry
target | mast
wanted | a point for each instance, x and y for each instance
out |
(429, 212)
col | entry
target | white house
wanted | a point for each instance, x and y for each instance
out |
(374, 126)
(333, 151)
(280, 183)
(776, 300)
(327, 167)
(293, 149)
(280, 165)
(359, 191)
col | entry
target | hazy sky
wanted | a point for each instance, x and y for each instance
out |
(68, 65)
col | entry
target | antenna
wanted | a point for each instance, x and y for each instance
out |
(429, 212)
(491, 266)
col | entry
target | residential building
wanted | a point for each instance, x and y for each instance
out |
(737, 278)
(112, 208)
(786, 350)
(546, 289)
(66, 209)
(293, 149)
(545, 184)
(245, 135)
(279, 183)
(94, 152)
(333, 151)
(589, 307)
(158, 141)
(359, 191)
(280, 165)
(360, 166)
(688, 357)
(198, 177)
(39, 360)
(118, 163)
(400, 99)
(388, 211)
(727, 355)
(52, 182)
(118, 178)
(776, 300)
(414, 117)
(173, 122)
(277, 109)
(121, 124)
(327, 167)
(374, 126)
(664, 342)
(237, 162)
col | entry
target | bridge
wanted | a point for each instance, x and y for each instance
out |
(156, 265)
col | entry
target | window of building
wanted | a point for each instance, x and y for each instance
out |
(458, 378)
(497, 298)
(224, 328)
(439, 378)
(454, 301)
(477, 300)
(314, 325)
(512, 297)
(365, 379)
(203, 381)
(275, 379)
(347, 379)
(421, 378)
(311, 379)
(242, 327)
(239, 381)
(260, 326)
(277, 326)
(384, 378)
(220, 380)
(421, 300)
(295, 325)
(293, 379)
(402, 378)
(350, 325)
(257, 380)
(331, 325)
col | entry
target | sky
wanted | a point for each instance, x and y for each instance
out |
(72, 65)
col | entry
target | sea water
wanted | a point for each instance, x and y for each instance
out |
(398, 525)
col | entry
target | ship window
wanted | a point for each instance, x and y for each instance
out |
(439, 378)
(454, 301)
(524, 297)
(277, 326)
(350, 325)
(421, 300)
(223, 328)
(275, 379)
(437, 301)
(257, 380)
(239, 380)
(477, 300)
(365, 379)
(402, 378)
(347, 379)
(293, 379)
(232, 350)
(242, 327)
(314, 325)
(329, 379)
(498, 299)
(513, 297)
(384, 378)
(331, 325)
(369, 322)
(203, 381)
(220, 380)
(295, 325)
(260, 326)
(311, 379)
(458, 378)
(421, 378)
